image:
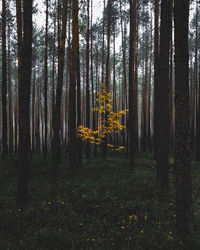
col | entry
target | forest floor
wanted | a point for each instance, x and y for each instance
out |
(106, 207)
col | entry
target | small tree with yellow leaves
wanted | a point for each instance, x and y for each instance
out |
(105, 127)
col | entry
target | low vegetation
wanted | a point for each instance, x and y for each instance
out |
(105, 207)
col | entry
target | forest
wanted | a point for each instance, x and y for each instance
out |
(99, 124)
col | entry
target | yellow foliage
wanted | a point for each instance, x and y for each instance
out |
(106, 126)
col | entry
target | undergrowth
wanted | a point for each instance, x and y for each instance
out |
(105, 207)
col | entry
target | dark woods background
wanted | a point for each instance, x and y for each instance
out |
(147, 54)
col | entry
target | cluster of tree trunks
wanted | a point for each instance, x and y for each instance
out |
(166, 115)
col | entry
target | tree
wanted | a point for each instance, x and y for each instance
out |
(132, 82)
(46, 82)
(56, 140)
(88, 149)
(109, 4)
(72, 93)
(106, 127)
(162, 103)
(10, 113)
(182, 159)
(4, 83)
(197, 88)
(24, 105)
(156, 57)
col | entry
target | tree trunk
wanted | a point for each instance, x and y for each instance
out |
(156, 58)
(171, 81)
(72, 94)
(132, 83)
(163, 125)
(56, 141)
(182, 124)
(45, 84)
(10, 108)
(4, 83)
(33, 111)
(88, 149)
(103, 43)
(107, 70)
(124, 93)
(135, 94)
(24, 107)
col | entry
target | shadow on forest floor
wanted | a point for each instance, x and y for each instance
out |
(106, 207)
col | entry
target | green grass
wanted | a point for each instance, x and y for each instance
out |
(106, 207)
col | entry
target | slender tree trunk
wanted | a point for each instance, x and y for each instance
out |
(88, 148)
(16, 117)
(171, 83)
(149, 100)
(132, 83)
(156, 58)
(182, 128)
(197, 148)
(114, 84)
(4, 83)
(33, 111)
(24, 107)
(53, 76)
(163, 122)
(124, 102)
(45, 84)
(144, 102)
(198, 124)
(103, 43)
(107, 70)
(92, 73)
(135, 113)
(10, 108)
(56, 141)
(79, 142)
(72, 95)
(37, 115)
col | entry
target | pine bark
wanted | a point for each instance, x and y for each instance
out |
(24, 107)
(132, 84)
(45, 84)
(72, 93)
(182, 159)
(10, 102)
(156, 58)
(162, 88)
(56, 141)
(88, 148)
(4, 83)
(107, 83)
